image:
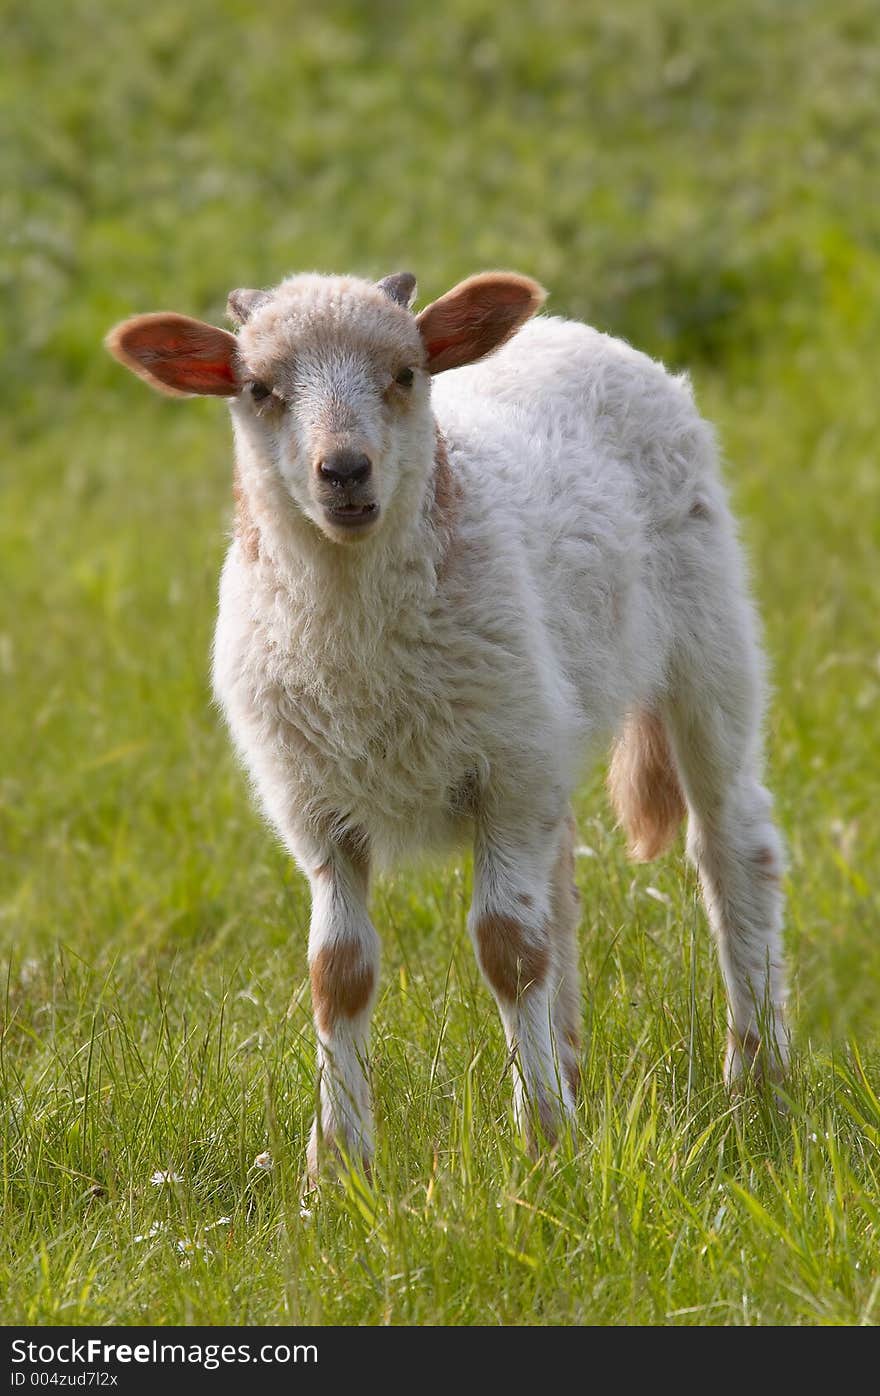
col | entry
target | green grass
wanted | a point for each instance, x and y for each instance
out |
(699, 179)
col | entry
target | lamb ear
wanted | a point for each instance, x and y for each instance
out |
(241, 304)
(400, 287)
(476, 317)
(177, 355)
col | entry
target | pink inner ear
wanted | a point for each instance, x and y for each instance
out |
(476, 317)
(177, 354)
(437, 346)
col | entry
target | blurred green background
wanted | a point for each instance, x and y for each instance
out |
(700, 179)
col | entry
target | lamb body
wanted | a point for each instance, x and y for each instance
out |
(511, 630)
(555, 565)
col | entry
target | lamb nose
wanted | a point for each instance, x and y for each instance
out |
(345, 468)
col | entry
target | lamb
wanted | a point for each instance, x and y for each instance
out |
(472, 547)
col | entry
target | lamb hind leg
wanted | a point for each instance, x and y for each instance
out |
(714, 723)
(566, 995)
(738, 856)
(343, 964)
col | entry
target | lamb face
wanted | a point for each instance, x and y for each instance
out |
(335, 398)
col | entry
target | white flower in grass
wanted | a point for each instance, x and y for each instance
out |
(264, 1161)
(189, 1246)
(165, 1175)
(221, 1221)
(155, 1230)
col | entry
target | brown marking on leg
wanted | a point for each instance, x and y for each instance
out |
(511, 958)
(759, 1061)
(342, 982)
(749, 1045)
(246, 530)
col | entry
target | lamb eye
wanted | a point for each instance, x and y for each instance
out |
(405, 378)
(260, 391)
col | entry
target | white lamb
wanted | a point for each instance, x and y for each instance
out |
(469, 551)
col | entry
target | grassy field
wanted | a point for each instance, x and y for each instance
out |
(699, 179)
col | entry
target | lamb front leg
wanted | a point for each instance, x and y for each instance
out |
(512, 926)
(344, 969)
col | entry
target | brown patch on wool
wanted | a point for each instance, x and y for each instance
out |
(511, 960)
(446, 503)
(245, 529)
(342, 982)
(447, 491)
(463, 796)
(644, 787)
(525, 900)
(768, 864)
(700, 509)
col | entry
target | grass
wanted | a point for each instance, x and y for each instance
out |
(695, 178)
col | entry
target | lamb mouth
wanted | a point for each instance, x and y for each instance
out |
(353, 516)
